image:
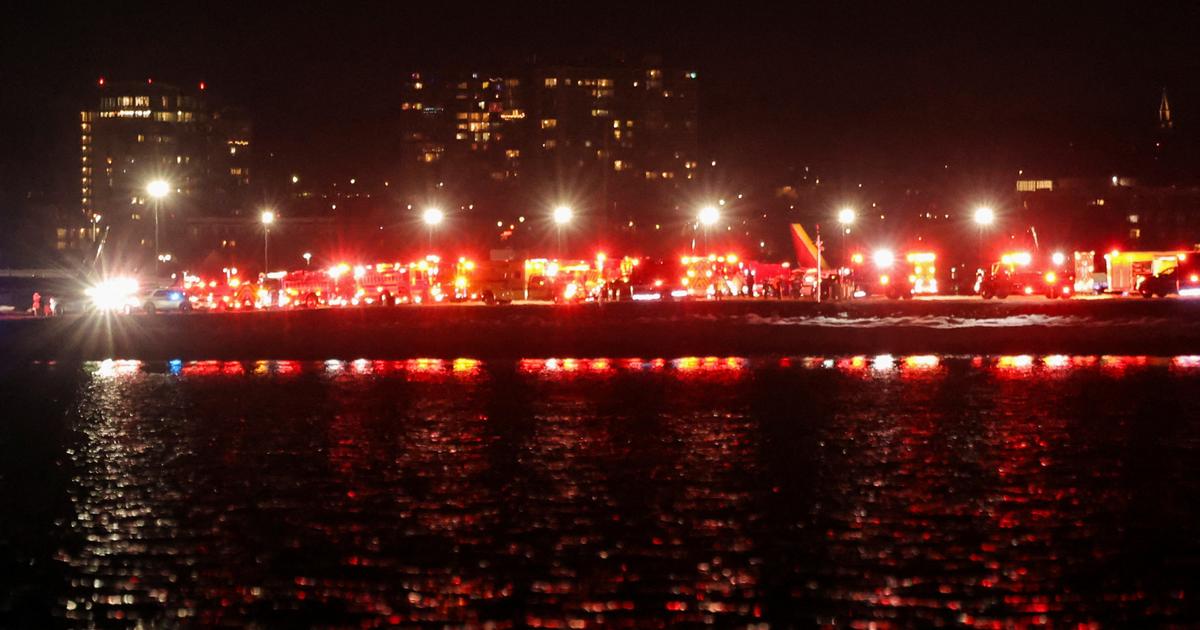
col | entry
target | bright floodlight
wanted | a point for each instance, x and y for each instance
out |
(268, 217)
(709, 215)
(846, 216)
(562, 215)
(883, 258)
(432, 216)
(113, 294)
(158, 188)
(985, 216)
(1058, 258)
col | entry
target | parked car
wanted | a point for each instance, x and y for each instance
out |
(163, 300)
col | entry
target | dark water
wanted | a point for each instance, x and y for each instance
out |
(561, 493)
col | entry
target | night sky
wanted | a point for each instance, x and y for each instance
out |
(854, 88)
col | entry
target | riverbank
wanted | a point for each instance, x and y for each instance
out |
(624, 329)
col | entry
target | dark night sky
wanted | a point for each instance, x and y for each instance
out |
(859, 86)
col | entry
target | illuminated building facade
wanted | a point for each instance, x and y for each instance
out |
(621, 130)
(138, 132)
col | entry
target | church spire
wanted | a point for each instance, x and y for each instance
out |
(1164, 112)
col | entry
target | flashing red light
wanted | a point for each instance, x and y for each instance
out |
(101, 82)
(203, 85)
(149, 81)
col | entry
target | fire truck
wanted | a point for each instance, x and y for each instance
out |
(714, 276)
(229, 293)
(1127, 270)
(1183, 280)
(491, 281)
(1016, 274)
(915, 275)
(384, 284)
(306, 288)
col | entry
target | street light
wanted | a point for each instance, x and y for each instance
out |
(846, 218)
(984, 216)
(157, 189)
(708, 216)
(307, 256)
(562, 215)
(268, 217)
(432, 218)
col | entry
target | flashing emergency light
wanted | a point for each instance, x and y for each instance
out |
(921, 257)
(1018, 258)
(883, 258)
(1058, 258)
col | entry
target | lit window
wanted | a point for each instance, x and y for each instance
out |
(551, 82)
(549, 123)
(618, 165)
(1135, 233)
(1133, 218)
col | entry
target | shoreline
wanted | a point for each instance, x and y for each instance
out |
(731, 328)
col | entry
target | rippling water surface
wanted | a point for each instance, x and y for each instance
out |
(569, 492)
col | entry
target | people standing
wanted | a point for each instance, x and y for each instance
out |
(37, 304)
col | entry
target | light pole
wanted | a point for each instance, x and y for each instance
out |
(984, 216)
(708, 217)
(432, 217)
(268, 217)
(307, 256)
(157, 189)
(845, 218)
(562, 216)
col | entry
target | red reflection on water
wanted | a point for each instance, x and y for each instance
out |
(709, 364)
(1057, 361)
(922, 362)
(425, 366)
(1118, 365)
(464, 367)
(288, 368)
(1015, 362)
(202, 368)
(856, 364)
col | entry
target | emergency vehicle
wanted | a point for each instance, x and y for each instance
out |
(1183, 279)
(1016, 274)
(1127, 270)
(916, 274)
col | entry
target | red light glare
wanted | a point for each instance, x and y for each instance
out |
(101, 82)
(203, 86)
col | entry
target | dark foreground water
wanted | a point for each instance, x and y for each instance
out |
(562, 493)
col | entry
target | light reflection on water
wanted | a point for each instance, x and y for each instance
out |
(845, 490)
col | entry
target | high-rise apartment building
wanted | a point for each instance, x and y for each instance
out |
(139, 132)
(619, 129)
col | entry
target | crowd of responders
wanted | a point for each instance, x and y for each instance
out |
(433, 279)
